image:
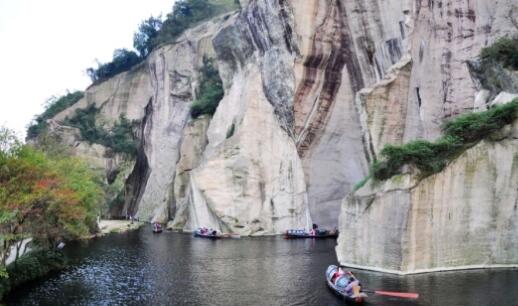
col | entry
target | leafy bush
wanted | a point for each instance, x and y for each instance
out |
(476, 126)
(120, 138)
(210, 91)
(29, 267)
(123, 60)
(53, 107)
(432, 157)
(504, 51)
(34, 265)
(84, 120)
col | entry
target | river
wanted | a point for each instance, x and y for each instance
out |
(141, 268)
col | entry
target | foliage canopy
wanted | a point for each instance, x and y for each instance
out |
(48, 198)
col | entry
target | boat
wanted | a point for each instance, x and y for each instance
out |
(319, 234)
(157, 228)
(206, 234)
(355, 296)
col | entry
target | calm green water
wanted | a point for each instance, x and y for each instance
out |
(141, 268)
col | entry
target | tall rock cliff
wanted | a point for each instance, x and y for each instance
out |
(466, 216)
(313, 90)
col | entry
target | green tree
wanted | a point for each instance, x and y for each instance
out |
(144, 40)
(47, 198)
(122, 60)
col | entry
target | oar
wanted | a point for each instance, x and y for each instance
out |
(231, 235)
(403, 295)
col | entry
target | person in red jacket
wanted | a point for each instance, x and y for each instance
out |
(339, 272)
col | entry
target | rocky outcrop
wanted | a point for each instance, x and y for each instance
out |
(260, 186)
(313, 91)
(463, 217)
(157, 93)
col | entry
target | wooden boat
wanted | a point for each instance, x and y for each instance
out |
(209, 235)
(340, 284)
(319, 234)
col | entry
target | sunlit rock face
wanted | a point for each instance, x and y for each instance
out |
(157, 93)
(313, 91)
(463, 217)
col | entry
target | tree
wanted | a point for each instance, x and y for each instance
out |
(122, 60)
(144, 39)
(44, 197)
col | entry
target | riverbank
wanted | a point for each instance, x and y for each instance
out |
(29, 267)
(117, 226)
(37, 264)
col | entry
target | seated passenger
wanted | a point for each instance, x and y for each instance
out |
(353, 287)
(339, 272)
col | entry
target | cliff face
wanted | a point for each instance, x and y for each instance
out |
(313, 90)
(463, 217)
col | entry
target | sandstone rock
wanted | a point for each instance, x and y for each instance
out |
(463, 217)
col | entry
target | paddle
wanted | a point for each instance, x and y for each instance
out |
(231, 235)
(403, 295)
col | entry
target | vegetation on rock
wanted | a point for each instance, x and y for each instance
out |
(122, 60)
(459, 134)
(210, 91)
(53, 106)
(504, 51)
(120, 138)
(494, 61)
(153, 31)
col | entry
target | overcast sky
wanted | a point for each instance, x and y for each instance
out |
(46, 46)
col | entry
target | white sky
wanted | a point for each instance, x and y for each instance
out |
(46, 46)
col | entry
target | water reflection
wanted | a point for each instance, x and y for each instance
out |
(141, 268)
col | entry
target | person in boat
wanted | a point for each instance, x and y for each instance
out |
(353, 287)
(339, 272)
(203, 230)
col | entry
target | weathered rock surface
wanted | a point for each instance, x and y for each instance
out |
(253, 182)
(463, 217)
(313, 91)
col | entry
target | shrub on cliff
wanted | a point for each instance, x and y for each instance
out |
(210, 91)
(459, 134)
(122, 61)
(504, 51)
(52, 107)
(187, 13)
(119, 138)
(144, 40)
(153, 32)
